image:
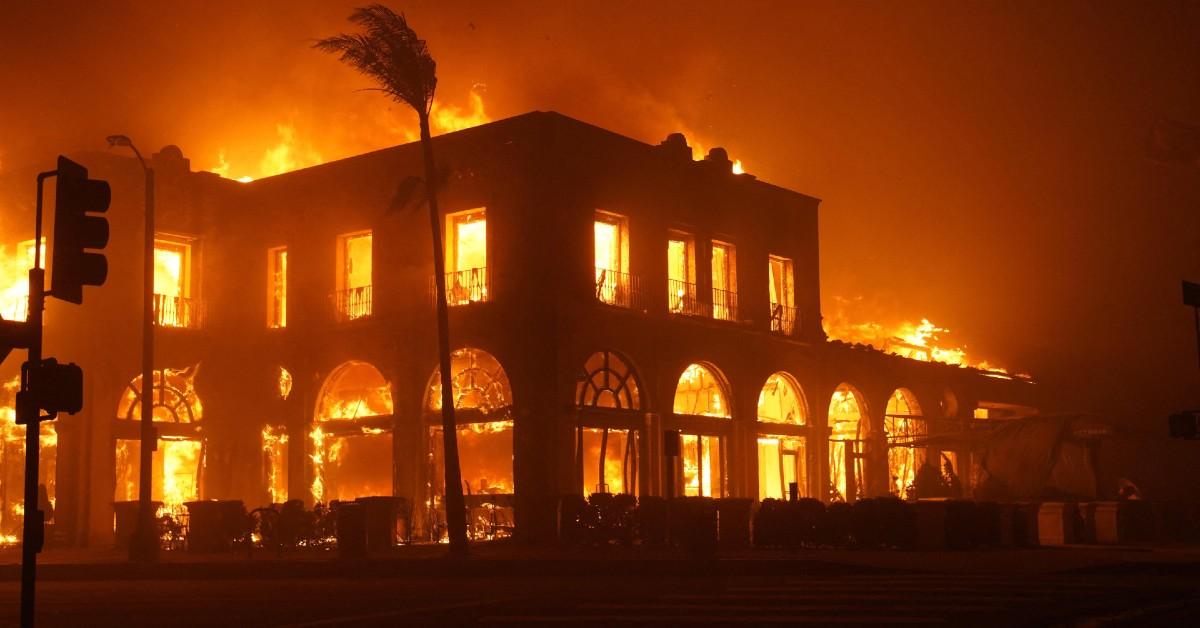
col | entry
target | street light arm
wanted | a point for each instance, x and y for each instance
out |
(123, 140)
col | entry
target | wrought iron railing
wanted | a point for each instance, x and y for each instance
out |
(467, 286)
(682, 299)
(783, 319)
(352, 303)
(724, 305)
(174, 311)
(617, 288)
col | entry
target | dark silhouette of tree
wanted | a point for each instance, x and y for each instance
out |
(390, 52)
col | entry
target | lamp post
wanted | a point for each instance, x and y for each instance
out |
(143, 546)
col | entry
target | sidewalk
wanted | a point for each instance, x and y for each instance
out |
(488, 560)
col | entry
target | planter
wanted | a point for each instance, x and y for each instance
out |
(930, 516)
(214, 525)
(351, 529)
(380, 521)
(126, 520)
(1056, 523)
(652, 520)
(733, 522)
(693, 525)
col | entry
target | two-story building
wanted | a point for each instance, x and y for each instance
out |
(624, 319)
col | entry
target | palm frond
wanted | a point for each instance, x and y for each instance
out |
(390, 52)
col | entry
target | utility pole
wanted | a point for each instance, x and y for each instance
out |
(143, 547)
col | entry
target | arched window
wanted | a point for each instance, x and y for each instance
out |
(848, 426)
(483, 404)
(174, 400)
(780, 401)
(480, 383)
(354, 390)
(902, 422)
(607, 382)
(351, 445)
(178, 458)
(701, 392)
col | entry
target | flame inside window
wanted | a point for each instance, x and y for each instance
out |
(175, 477)
(14, 280)
(179, 459)
(346, 453)
(780, 401)
(12, 466)
(902, 423)
(700, 459)
(700, 393)
(780, 463)
(610, 460)
(848, 430)
(275, 462)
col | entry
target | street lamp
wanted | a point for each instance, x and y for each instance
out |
(143, 546)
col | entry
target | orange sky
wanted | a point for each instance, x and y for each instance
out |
(981, 164)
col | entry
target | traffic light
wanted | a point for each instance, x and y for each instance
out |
(57, 387)
(75, 231)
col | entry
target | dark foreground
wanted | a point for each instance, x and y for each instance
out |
(510, 587)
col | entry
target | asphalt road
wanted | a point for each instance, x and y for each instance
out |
(587, 599)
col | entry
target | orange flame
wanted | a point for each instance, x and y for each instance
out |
(293, 152)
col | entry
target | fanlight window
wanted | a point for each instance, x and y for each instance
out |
(480, 383)
(700, 392)
(846, 415)
(607, 382)
(354, 390)
(174, 400)
(780, 401)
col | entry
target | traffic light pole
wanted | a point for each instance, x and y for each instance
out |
(29, 414)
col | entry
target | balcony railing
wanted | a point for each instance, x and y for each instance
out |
(182, 312)
(617, 288)
(725, 305)
(681, 299)
(783, 319)
(352, 304)
(467, 286)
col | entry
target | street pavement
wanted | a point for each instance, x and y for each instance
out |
(513, 586)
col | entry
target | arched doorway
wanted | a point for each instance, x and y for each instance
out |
(12, 464)
(178, 472)
(701, 417)
(903, 424)
(351, 438)
(483, 411)
(609, 403)
(849, 429)
(782, 421)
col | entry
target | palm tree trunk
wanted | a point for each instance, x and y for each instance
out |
(456, 514)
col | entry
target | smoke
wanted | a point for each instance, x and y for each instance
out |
(982, 167)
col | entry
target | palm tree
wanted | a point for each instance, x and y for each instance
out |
(390, 52)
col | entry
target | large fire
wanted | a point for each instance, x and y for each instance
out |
(924, 341)
(293, 152)
(14, 280)
(12, 465)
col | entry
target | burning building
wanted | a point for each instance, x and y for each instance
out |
(624, 319)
